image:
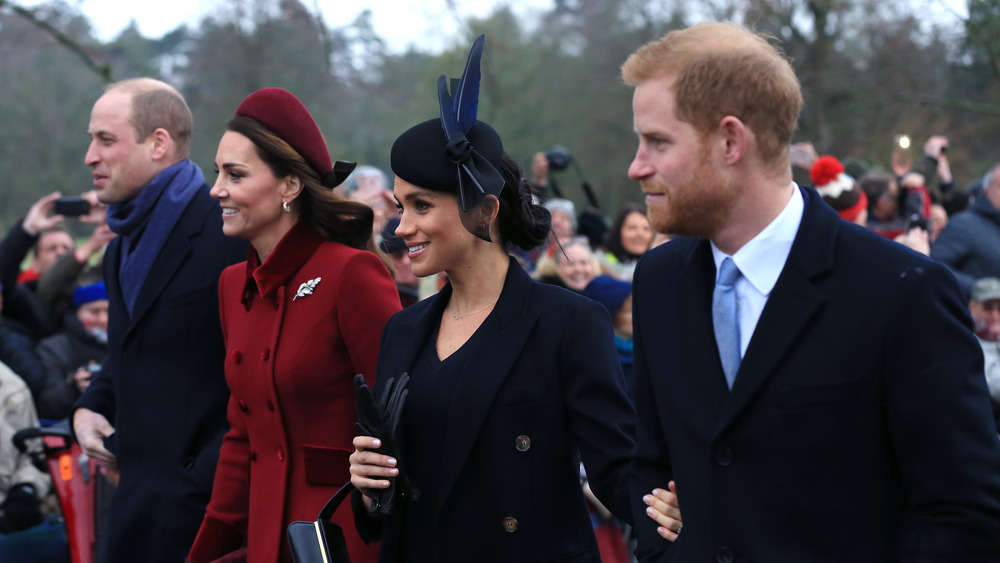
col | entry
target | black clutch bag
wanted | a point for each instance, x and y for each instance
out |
(321, 541)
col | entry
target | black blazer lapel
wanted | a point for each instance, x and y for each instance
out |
(793, 303)
(412, 333)
(484, 372)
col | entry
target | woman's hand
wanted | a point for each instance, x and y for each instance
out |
(663, 508)
(369, 470)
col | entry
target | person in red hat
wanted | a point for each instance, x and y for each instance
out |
(839, 190)
(300, 318)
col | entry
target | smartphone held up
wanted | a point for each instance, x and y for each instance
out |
(71, 206)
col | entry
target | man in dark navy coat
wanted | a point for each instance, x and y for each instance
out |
(814, 391)
(158, 408)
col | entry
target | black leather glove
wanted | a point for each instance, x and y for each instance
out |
(382, 420)
(22, 508)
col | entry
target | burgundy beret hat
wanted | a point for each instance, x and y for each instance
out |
(284, 114)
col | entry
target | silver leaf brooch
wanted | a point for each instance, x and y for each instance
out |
(307, 288)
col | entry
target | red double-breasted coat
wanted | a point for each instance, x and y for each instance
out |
(297, 328)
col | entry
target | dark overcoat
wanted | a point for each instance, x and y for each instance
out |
(858, 427)
(163, 387)
(542, 391)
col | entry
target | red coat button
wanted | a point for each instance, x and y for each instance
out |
(270, 405)
(237, 356)
(265, 354)
(281, 455)
(243, 405)
(253, 455)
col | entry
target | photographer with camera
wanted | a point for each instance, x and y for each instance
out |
(41, 232)
(75, 355)
(55, 288)
(934, 163)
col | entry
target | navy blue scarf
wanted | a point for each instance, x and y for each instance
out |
(144, 232)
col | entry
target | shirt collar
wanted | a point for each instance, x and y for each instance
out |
(763, 257)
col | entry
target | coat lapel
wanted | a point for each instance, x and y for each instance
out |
(175, 251)
(484, 372)
(793, 303)
(695, 336)
(412, 334)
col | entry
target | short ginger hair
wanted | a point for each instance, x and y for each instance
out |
(722, 69)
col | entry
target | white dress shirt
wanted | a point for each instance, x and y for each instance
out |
(760, 261)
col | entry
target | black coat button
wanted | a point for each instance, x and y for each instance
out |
(522, 443)
(724, 456)
(510, 524)
(724, 555)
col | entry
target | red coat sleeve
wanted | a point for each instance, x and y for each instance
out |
(367, 298)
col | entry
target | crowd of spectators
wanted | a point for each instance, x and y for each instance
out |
(53, 338)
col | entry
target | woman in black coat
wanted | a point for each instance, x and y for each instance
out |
(511, 384)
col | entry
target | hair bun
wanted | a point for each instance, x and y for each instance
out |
(535, 220)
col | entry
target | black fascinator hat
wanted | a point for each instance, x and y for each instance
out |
(455, 153)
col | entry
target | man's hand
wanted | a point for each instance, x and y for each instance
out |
(101, 236)
(98, 211)
(38, 218)
(934, 146)
(91, 429)
(81, 377)
(902, 163)
(916, 239)
(803, 155)
(539, 169)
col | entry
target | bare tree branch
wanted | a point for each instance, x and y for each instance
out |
(102, 69)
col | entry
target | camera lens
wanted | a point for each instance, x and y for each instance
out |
(558, 158)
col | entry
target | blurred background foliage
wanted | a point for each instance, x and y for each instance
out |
(870, 70)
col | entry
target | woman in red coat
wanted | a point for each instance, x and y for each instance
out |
(300, 317)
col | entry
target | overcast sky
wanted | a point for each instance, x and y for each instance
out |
(399, 22)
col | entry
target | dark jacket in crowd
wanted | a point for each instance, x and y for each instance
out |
(62, 354)
(20, 301)
(17, 351)
(970, 244)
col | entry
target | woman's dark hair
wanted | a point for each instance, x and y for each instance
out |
(331, 215)
(523, 223)
(614, 241)
(875, 185)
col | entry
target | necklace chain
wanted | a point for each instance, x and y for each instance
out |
(460, 317)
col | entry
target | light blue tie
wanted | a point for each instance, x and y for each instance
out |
(726, 320)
